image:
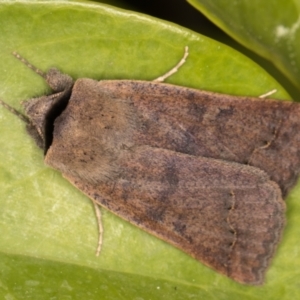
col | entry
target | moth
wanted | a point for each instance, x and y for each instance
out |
(205, 172)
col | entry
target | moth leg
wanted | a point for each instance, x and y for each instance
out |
(268, 94)
(175, 69)
(100, 227)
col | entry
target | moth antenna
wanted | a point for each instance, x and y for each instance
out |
(15, 112)
(175, 69)
(29, 65)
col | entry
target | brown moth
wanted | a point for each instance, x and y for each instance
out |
(202, 171)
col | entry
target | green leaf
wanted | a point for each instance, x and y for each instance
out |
(269, 28)
(48, 228)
